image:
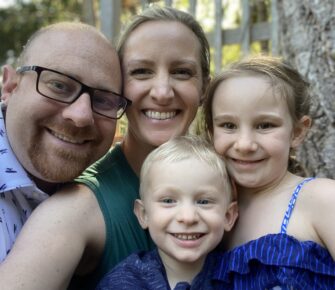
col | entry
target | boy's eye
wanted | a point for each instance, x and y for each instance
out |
(208, 201)
(168, 200)
(203, 201)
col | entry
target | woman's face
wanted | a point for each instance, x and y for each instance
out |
(163, 78)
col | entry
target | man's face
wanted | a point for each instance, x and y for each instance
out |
(55, 142)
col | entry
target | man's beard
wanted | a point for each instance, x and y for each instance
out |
(57, 164)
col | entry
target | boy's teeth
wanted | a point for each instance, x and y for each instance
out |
(187, 236)
(160, 115)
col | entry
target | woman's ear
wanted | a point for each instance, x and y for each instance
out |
(300, 131)
(9, 82)
(140, 213)
(231, 216)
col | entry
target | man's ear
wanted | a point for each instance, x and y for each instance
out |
(300, 131)
(231, 216)
(9, 82)
(140, 213)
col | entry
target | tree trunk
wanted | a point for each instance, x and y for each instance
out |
(308, 42)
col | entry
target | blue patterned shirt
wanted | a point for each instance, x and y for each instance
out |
(145, 270)
(18, 194)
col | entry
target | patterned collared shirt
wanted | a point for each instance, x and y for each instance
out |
(18, 194)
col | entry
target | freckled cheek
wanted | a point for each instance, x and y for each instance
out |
(220, 144)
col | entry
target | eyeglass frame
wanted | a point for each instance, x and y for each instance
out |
(84, 88)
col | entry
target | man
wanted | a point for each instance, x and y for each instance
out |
(58, 115)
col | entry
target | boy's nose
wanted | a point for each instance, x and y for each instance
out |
(188, 215)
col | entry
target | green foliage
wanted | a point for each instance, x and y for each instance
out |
(20, 20)
(230, 53)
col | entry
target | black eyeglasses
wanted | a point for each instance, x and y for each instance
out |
(66, 89)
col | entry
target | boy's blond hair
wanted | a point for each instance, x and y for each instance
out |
(181, 148)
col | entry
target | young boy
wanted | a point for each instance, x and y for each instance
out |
(187, 204)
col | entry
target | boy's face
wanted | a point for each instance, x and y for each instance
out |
(185, 208)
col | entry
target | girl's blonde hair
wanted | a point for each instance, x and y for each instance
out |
(285, 81)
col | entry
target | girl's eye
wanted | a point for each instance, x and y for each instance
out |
(265, 125)
(228, 126)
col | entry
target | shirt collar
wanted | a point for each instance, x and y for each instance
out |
(12, 174)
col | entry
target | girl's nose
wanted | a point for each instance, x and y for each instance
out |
(245, 142)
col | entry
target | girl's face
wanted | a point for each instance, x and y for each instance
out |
(253, 130)
(163, 78)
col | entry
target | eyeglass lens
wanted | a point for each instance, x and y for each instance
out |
(64, 89)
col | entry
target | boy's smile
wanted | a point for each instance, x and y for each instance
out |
(185, 209)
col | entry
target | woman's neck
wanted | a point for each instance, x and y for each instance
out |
(135, 152)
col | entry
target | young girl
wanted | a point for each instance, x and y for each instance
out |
(256, 113)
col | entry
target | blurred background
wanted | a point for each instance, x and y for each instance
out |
(301, 31)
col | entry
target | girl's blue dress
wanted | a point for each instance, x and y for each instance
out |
(277, 261)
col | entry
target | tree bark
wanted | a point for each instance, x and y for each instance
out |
(308, 42)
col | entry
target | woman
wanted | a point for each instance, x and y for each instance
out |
(165, 62)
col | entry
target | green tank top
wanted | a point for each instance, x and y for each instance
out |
(116, 187)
